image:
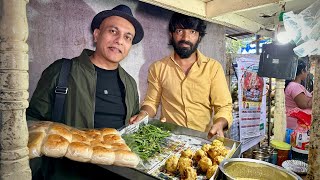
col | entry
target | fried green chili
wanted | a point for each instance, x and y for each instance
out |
(146, 141)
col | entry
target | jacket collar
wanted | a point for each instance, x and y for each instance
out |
(84, 59)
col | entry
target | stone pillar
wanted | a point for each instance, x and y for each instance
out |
(14, 82)
(314, 146)
(280, 123)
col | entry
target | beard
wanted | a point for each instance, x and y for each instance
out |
(184, 52)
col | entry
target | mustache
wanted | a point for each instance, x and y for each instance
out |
(185, 42)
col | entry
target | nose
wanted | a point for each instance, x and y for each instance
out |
(184, 35)
(119, 39)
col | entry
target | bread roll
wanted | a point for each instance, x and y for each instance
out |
(126, 158)
(103, 156)
(38, 126)
(55, 146)
(120, 146)
(95, 143)
(93, 134)
(35, 143)
(77, 131)
(61, 130)
(79, 138)
(78, 151)
(106, 131)
(112, 138)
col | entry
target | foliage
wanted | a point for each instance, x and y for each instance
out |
(233, 46)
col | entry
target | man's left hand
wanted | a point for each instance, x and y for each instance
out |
(217, 127)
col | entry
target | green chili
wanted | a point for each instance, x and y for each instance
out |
(146, 141)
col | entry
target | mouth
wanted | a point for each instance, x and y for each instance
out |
(114, 49)
(185, 44)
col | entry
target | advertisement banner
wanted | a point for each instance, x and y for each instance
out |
(252, 99)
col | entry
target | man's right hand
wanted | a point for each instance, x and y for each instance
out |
(138, 117)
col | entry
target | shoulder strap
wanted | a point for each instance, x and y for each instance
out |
(61, 91)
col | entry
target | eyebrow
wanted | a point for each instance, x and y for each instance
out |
(128, 33)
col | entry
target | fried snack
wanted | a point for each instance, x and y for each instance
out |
(79, 151)
(199, 154)
(189, 174)
(187, 153)
(106, 131)
(217, 142)
(183, 163)
(35, 143)
(61, 130)
(213, 152)
(102, 156)
(112, 138)
(206, 147)
(55, 146)
(171, 164)
(218, 159)
(211, 170)
(204, 164)
(225, 152)
(126, 158)
(38, 126)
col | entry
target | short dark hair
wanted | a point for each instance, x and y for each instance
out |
(181, 21)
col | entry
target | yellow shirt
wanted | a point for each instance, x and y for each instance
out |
(188, 100)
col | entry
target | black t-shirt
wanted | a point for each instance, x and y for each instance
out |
(110, 107)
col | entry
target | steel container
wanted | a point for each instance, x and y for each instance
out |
(243, 168)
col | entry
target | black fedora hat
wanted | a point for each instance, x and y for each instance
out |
(124, 12)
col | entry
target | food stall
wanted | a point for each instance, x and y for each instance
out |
(14, 158)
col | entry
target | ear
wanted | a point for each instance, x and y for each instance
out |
(96, 33)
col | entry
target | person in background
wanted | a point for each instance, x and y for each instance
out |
(296, 95)
(189, 85)
(100, 92)
(297, 98)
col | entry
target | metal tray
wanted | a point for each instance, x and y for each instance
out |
(132, 173)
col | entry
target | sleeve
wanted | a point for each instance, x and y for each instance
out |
(136, 100)
(154, 91)
(41, 103)
(220, 97)
(294, 89)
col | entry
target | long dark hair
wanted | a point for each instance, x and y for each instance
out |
(181, 21)
(302, 67)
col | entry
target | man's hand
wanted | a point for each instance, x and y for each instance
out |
(217, 127)
(138, 117)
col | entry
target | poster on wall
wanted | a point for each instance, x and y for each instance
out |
(252, 100)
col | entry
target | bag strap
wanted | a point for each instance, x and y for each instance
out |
(61, 91)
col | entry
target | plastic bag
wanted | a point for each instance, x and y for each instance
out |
(304, 27)
(301, 135)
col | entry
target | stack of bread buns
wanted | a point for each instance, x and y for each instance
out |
(104, 146)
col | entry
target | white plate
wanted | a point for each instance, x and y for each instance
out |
(296, 166)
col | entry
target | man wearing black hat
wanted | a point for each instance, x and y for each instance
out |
(99, 92)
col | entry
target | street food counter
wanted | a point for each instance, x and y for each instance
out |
(180, 139)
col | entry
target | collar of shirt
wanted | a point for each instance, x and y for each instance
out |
(200, 58)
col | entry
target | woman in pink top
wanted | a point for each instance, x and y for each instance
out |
(296, 95)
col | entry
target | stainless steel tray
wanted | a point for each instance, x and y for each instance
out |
(132, 173)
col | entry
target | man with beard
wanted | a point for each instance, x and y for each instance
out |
(189, 85)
